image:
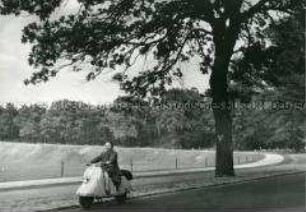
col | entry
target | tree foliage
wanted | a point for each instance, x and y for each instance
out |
(180, 119)
(129, 121)
(282, 126)
(8, 128)
(108, 34)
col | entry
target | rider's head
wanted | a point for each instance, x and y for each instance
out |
(109, 145)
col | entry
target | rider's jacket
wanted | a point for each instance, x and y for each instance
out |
(109, 156)
(112, 167)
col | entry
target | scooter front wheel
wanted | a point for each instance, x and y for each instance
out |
(86, 202)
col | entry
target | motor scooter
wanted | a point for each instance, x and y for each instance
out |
(97, 186)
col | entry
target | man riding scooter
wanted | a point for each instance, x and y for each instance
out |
(109, 163)
(96, 186)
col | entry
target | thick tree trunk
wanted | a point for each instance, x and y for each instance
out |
(223, 120)
(224, 44)
(224, 151)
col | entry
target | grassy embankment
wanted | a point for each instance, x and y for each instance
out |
(23, 161)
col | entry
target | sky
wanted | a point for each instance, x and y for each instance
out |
(14, 69)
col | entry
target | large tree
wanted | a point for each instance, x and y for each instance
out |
(115, 34)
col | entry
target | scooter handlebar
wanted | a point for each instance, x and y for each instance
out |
(92, 164)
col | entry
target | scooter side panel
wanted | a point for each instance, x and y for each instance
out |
(96, 183)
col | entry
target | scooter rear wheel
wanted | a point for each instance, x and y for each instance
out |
(121, 198)
(86, 202)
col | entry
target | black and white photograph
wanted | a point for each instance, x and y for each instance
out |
(152, 105)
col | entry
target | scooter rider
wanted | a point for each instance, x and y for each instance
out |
(109, 163)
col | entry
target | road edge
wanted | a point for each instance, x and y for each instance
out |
(269, 159)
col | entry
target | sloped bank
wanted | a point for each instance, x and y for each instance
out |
(24, 161)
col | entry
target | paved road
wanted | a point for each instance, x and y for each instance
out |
(276, 194)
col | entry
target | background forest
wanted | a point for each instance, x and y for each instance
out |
(181, 118)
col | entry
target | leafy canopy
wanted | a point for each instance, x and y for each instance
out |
(115, 34)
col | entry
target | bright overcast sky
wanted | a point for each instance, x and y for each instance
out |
(68, 85)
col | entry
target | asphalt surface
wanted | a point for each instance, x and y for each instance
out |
(275, 194)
